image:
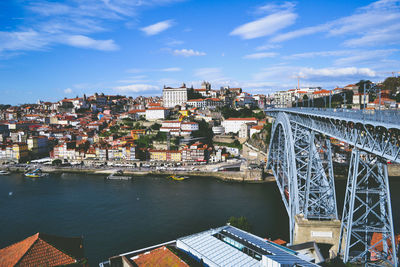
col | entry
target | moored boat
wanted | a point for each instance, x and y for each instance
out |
(35, 174)
(178, 178)
(118, 175)
(3, 172)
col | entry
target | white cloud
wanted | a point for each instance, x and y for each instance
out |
(136, 88)
(272, 7)
(70, 22)
(187, 52)
(299, 33)
(261, 55)
(367, 56)
(265, 26)
(157, 27)
(173, 69)
(309, 73)
(22, 40)
(68, 91)
(334, 53)
(267, 47)
(377, 23)
(87, 42)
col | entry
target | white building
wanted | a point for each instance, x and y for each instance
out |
(232, 125)
(175, 96)
(157, 113)
(179, 128)
(218, 130)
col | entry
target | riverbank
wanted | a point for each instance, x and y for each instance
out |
(251, 176)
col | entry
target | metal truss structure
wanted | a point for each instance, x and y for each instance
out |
(367, 212)
(302, 166)
(301, 160)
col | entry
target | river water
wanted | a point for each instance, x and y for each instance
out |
(120, 216)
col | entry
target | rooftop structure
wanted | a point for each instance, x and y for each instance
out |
(223, 246)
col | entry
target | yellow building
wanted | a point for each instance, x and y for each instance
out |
(165, 155)
(20, 151)
(136, 134)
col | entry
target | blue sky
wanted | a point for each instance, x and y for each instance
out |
(52, 49)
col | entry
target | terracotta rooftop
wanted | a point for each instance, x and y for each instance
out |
(159, 257)
(241, 119)
(43, 250)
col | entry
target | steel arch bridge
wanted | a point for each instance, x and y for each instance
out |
(300, 158)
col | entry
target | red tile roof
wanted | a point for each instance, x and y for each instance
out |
(41, 250)
(159, 257)
(241, 119)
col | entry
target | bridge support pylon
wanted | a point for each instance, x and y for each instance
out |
(367, 234)
(321, 232)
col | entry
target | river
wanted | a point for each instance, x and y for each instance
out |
(119, 216)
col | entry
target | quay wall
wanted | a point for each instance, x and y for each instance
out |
(249, 176)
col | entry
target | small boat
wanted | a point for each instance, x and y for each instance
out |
(178, 178)
(3, 172)
(118, 175)
(35, 174)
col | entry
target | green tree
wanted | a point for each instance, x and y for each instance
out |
(156, 126)
(241, 223)
(392, 84)
(204, 131)
(192, 94)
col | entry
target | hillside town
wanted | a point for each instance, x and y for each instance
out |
(185, 125)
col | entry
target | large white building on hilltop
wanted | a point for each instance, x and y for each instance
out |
(232, 125)
(175, 96)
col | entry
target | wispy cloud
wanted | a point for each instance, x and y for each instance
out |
(71, 23)
(187, 52)
(173, 69)
(371, 57)
(87, 42)
(261, 55)
(301, 32)
(309, 73)
(265, 26)
(68, 90)
(136, 88)
(157, 27)
(274, 7)
(267, 47)
(314, 54)
(374, 24)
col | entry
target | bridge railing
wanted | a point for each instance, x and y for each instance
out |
(384, 116)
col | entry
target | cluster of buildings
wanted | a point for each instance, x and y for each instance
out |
(101, 127)
(307, 95)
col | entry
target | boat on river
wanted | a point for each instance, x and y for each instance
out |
(3, 172)
(118, 175)
(178, 178)
(35, 173)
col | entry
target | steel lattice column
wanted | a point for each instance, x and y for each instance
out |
(367, 210)
(320, 187)
(303, 174)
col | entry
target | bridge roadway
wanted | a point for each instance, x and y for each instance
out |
(377, 132)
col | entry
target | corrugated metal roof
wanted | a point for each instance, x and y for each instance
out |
(218, 251)
(280, 254)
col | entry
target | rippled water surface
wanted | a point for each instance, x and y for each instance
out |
(120, 216)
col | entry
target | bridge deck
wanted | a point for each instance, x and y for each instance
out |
(386, 118)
